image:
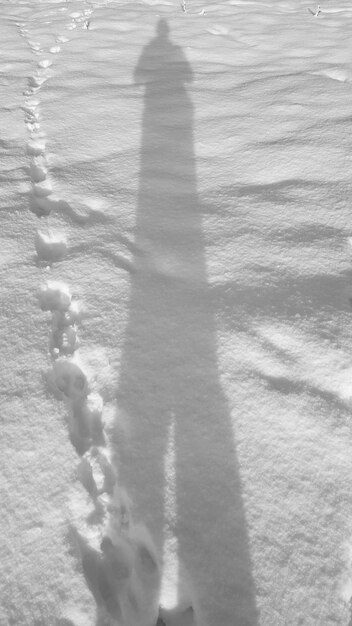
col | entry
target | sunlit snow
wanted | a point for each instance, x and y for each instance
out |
(176, 321)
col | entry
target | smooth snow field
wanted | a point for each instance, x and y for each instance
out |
(176, 327)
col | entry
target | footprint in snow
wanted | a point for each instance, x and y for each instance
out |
(44, 63)
(50, 246)
(63, 341)
(69, 378)
(54, 296)
(31, 114)
(34, 45)
(43, 205)
(35, 148)
(85, 422)
(37, 169)
(37, 81)
(31, 104)
(114, 575)
(97, 473)
(69, 317)
(33, 126)
(42, 189)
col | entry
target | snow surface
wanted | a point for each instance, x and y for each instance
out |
(176, 339)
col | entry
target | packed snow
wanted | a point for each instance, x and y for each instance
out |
(176, 321)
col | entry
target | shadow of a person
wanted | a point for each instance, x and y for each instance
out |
(169, 365)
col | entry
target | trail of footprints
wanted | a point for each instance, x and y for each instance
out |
(118, 559)
(40, 202)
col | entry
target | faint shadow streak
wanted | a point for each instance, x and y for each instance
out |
(169, 360)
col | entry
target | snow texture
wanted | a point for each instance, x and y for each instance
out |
(175, 333)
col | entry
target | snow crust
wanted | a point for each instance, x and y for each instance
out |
(175, 327)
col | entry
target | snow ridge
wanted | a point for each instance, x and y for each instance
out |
(117, 556)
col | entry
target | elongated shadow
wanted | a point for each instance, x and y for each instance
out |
(169, 365)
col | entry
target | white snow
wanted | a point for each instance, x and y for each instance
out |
(177, 380)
